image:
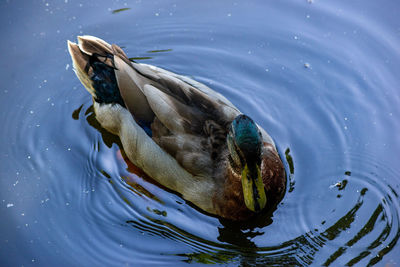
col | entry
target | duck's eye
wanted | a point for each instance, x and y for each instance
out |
(233, 150)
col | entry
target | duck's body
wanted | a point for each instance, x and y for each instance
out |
(181, 133)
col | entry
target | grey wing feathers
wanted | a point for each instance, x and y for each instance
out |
(190, 124)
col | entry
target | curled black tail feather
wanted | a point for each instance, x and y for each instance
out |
(104, 82)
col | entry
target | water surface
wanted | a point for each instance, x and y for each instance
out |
(320, 76)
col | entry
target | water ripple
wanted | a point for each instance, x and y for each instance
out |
(320, 78)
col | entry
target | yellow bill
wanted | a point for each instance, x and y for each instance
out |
(253, 188)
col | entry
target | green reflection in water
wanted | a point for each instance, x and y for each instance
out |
(207, 258)
(157, 212)
(368, 227)
(289, 160)
(120, 10)
(159, 51)
(150, 57)
(138, 190)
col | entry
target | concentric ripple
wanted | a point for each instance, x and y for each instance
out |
(321, 77)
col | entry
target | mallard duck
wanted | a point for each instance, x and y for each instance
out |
(181, 133)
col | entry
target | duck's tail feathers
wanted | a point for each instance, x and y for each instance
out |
(93, 62)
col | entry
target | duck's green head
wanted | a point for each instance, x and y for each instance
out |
(244, 143)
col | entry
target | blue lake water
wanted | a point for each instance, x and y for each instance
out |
(322, 77)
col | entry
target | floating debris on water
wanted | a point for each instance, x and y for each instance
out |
(341, 185)
(120, 10)
(159, 50)
(307, 65)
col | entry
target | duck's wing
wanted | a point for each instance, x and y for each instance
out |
(145, 89)
(195, 117)
(183, 107)
(187, 119)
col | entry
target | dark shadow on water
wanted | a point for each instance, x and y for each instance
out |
(289, 160)
(108, 138)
